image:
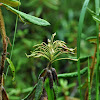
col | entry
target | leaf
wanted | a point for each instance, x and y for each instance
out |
(84, 58)
(12, 68)
(39, 89)
(73, 74)
(43, 73)
(49, 91)
(96, 19)
(66, 58)
(91, 12)
(55, 87)
(29, 18)
(80, 27)
(13, 3)
(92, 39)
(30, 96)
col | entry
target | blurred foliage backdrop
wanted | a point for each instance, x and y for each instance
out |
(63, 16)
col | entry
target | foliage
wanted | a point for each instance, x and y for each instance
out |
(13, 3)
(63, 16)
(11, 67)
(64, 87)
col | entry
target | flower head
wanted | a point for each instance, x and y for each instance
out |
(52, 50)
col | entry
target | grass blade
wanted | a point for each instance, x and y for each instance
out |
(97, 66)
(31, 95)
(81, 19)
(39, 89)
(49, 91)
(89, 85)
(13, 41)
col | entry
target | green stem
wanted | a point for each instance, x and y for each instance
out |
(97, 65)
(89, 84)
(13, 42)
(82, 15)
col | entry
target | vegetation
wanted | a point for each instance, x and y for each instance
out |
(61, 66)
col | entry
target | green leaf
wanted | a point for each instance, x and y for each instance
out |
(39, 89)
(92, 39)
(84, 58)
(96, 19)
(50, 4)
(73, 74)
(30, 96)
(80, 26)
(11, 67)
(13, 3)
(91, 12)
(29, 18)
(55, 87)
(49, 91)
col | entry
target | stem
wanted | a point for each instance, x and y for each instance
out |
(92, 66)
(97, 65)
(91, 72)
(3, 34)
(13, 42)
(89, 84)
(80, 26)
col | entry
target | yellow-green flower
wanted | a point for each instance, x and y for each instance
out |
(52, 50)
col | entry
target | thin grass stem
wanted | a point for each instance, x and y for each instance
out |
(97, 65)
(81, 19)
(89, 84)
(13, 42)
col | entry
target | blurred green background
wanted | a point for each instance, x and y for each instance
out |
(63, 16)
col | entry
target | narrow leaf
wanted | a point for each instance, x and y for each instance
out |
(73, 74)
(39, 89)
(13, 3)
(92, 39)
(96, 19)
(49, 91)
(11, 67)
(30, 96)
(97, 6)
(91, 12)
(29, 18)
(84, 58)
(80, 26)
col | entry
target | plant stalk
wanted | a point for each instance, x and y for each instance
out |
(89, 84)
(91, 71)
(80, 26)
(3, 34)
(97, 65)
